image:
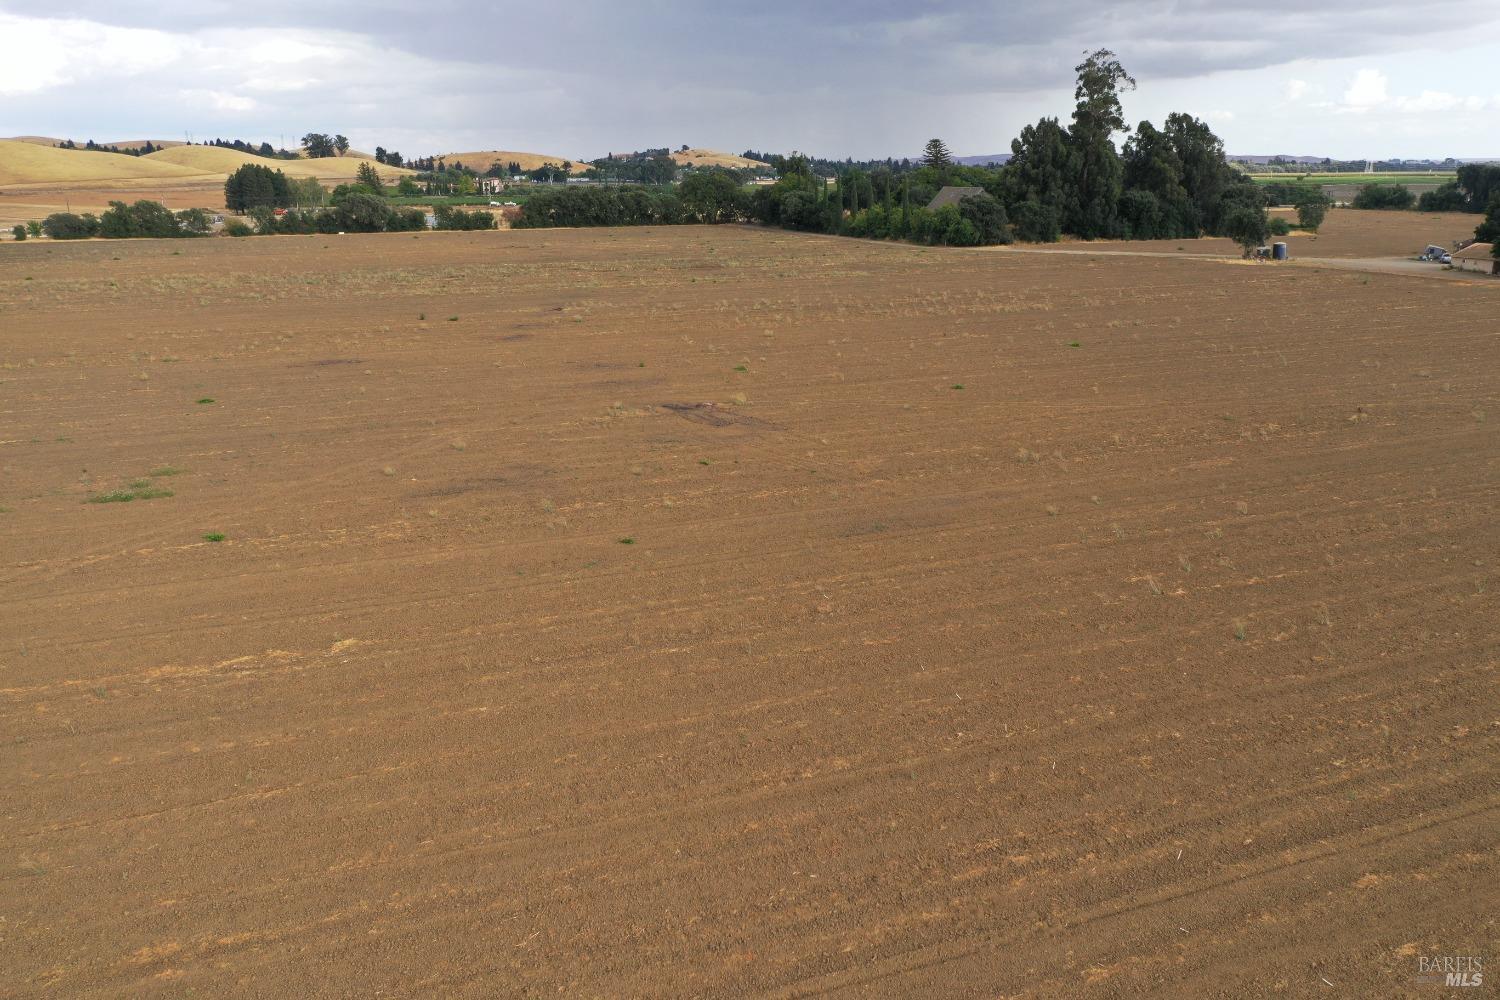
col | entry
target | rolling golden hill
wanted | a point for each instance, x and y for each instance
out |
(219, 160)
(484, 159)
(48, 140)
(33, 163)
(713, 158)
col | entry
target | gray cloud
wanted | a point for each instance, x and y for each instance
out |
(587, 76)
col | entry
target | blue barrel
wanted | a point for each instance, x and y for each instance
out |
(1278, 251)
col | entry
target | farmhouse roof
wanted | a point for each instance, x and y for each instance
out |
(1476, 251)
(952, 195)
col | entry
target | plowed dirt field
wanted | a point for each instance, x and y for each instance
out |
(710, 612)
(1347, 232)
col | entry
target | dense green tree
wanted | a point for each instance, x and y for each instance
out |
(936, 155)
(856, 190)
(1206, 176)
(340, 144)
(1242, 197)
(713, 196)
(305, 192)
(1098, 175)
(317, 145)
(805, 208)
(19, 232)
(1480, 182)
(1153, 167)
(457, 219)
(1143, 216)
(945, 226)
(370, 178)
(145, 219)
(288, 223)
(34, 227)
(656, 168)
(873, 223)
(1287, 193)
(1489, 230)
(253, 184)
(1035, 222)
(194, 222)
(796, 201)
(1311, 210)
(360, 211)
(1448, 197)
(1040, 171)
(599, 206)
(548, 173)
(407, 188)
(118, 223)
(1386, 196)
(795, 165)
(987, 215)
(1247, 226)
(67, 226)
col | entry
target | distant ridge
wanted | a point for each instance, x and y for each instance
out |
(485, 159)
(982, 160)
(1268, 157)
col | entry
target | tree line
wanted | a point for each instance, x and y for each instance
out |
(264, 149)
(1286, 165)
(1488, 231)
(279, 205)
(143, 219)
(1473, 190)
(319, 145)
(141, 150)
(1171, 181)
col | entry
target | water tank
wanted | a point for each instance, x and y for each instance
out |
(1278, 251)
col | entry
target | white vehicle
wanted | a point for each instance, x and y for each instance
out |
(494, 204)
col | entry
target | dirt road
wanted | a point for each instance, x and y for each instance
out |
(1376, 265)
(710, 612)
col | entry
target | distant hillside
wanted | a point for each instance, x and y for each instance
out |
(35, 163)
(482, 160)
(713, 158)
(138, 143)
(48, 140)
(983, 160)
(221, 160)
(1434, 162)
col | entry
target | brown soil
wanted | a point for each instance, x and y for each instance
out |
(1346, 232)
(1162, 664)
(20, 203)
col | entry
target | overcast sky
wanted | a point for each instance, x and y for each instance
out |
(579, 78)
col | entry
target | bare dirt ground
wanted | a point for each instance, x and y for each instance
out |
(1346, 232)
(721, 611)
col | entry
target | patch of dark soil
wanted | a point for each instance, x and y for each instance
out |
(715, 416)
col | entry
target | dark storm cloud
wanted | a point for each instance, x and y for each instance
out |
(781, 46)
(586, 75)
